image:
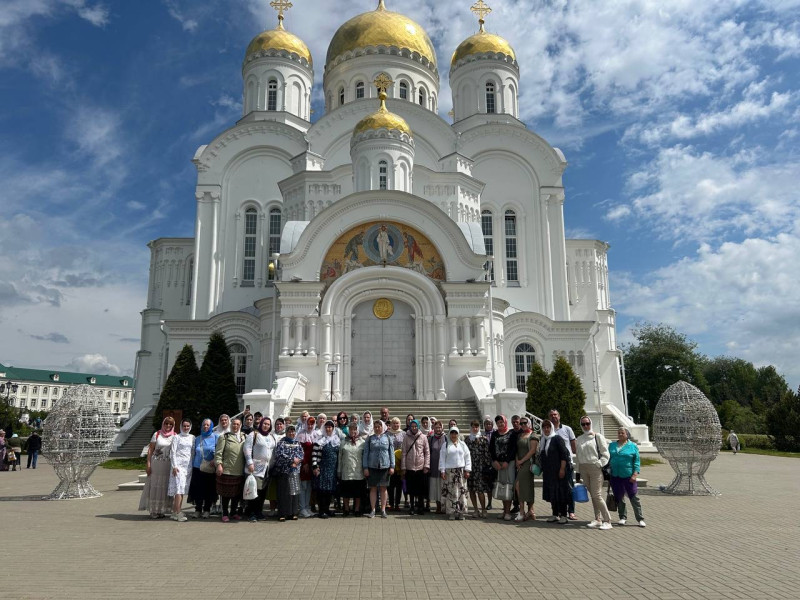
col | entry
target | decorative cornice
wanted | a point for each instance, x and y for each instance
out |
(508, 61)
(390, 50)
(275, 53)
(556, 165)
(211, 152)
(383, 134)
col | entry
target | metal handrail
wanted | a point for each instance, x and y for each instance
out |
(536, 423)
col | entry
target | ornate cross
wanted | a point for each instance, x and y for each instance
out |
(280, 6)
(480, 9)
(382, 82)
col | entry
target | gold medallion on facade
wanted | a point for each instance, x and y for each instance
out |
(383, 308)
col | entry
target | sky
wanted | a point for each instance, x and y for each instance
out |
(680, 121)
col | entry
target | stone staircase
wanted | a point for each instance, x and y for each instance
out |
(610, 426)
(132, 447)
(462, 411)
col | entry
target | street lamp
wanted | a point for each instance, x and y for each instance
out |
(9, 387)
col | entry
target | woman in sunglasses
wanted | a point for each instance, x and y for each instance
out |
(593, 455)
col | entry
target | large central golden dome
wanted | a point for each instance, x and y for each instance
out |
(381, 27)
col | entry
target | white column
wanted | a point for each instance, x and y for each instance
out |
(481, 341)
(466, 332)
(419, 382)
(312, 336)
(326, 349)
(298, 335)
(346, 368)
(441, 347)
(428, 331)
(453, 336)
(337, 354)
(285, 323)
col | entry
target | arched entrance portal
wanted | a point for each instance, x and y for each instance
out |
(382, 359)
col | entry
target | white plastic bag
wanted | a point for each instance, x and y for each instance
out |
(250, 488)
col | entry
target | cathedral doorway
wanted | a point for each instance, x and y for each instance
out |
(382, 364)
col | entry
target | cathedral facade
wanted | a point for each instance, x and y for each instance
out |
(381, 252)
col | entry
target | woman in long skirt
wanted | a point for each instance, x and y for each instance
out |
(555, 485)
(480, 481)
(455, 466)
(181, 462)
(229, 457)
(154, 495)
(324, 458)
(203, 486)
(289, 455)
(503, 450)
(527, 445)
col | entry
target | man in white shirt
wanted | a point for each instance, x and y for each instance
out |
(565, 431)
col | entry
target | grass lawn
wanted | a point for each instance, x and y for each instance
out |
(130, 464)
(647, 462)
(768, 452)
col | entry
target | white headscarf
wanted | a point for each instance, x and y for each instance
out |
(426, 430)
(545, 441)
(365, 429)
(332, 439)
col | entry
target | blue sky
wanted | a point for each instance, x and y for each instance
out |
(679, 120)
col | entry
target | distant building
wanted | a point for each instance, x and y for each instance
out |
(40, 389)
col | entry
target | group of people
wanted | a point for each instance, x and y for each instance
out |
(11, 451)
(362, 465)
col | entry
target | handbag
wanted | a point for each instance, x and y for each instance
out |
(536, 465)
(605, 468)
(206, 466)
(580, 493)
(611, 501)
(250, 488)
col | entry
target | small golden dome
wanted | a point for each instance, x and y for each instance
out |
(382, 119)
(480, 43)
(381, 27)
(279, 39)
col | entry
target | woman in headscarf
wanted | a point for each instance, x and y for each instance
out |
(436, 442)
(455, 466)
(203, 489)
(324, 461)
(527, 445)
(248, 424)
(396, 480)
(503, 450)
(479, 482)
(155, 496)
(224, 425)
(306, 438)
(258, 448)
(555, 486)
(378, 462)
(350, 470)
(365, 427)
(425, 426)
(180, 477)
(289, 455)
(277, 434)
(3, 450)
(229, 457)
(592, 455)
(416, 462)
(488, 430)
(624, 473)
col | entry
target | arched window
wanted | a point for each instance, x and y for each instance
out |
(239, 360)
(274, 238)
(55, 392)
(403, 90)
(360, 89)
(511, 246)
(35, 390)
(272, 94)
(421, 97)
(341, 96)
(24, 389)
(383, 175)
(524, 355)
(249, 264)
(44, 390)
(488, 239)
(490, 98)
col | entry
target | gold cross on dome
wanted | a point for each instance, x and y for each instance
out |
(382, 82)
(480, 9)
(280, 6)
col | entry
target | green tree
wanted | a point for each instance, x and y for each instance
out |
(659, 357)
(565, 393)
(181, 391)
(538, 401)
(217, 380)
(732, 379)
(783, 422)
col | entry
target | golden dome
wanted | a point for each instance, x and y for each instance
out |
(279, 39)
(480, 43)
(382, 119)
(381, 27)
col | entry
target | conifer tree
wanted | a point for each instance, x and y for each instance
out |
(181, 390)
(538, 401)
(565, 393)
(217, 380)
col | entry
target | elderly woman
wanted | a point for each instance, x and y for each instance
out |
(455, 465)
(416, 462)
(3, 451)
(593, 455)
(625, 467)
(378, 461)
(527, 444)
(203, 488)
(480, 481)
(258, 448)
(224, 425)
(155, 497)
(503, 450)
(436, 442)
(248, 424)
(324, 459)
(289, 455)
(396, 480)
(350, 471)
(277, 434)
(306, 438)
(555, 486)
(180, 457)
(425, 426)
(365, 426)
(229, 456)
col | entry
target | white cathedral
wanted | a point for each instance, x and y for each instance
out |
(349, 259)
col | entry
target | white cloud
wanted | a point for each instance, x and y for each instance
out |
(93, 363)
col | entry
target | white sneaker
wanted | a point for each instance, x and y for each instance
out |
(519, 517)
(181, 518)
(207, 515)
(370, 515)
(552, 519)
(594, 524)
(606, 525)
(622, 522)
(642, 524)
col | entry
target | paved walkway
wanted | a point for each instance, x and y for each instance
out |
(743, 544)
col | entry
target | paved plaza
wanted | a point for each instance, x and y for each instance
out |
(743, 544)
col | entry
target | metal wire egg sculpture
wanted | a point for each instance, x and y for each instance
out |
(77, 437)
(687, 432)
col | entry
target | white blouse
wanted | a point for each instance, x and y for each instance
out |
(258, 454)
(455, 456)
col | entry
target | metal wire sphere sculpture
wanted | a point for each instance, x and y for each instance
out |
(687, 432)
(77, 437)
